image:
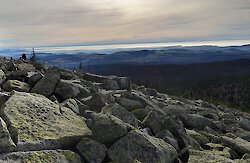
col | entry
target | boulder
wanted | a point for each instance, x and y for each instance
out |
(46, 85)
(36, 123)
(124, 82)
(239, 145)
(121, 113)
(2, 76)
(154, 121)
(6, 143)
(4, 97)
(55, 156)
(92, 151)
(168, 137)
(140, 113)
(209, 156)
(63, 73)
(141, 147)
(34, 78)
(202, 140)
(94, 77)
(245, 124)
(97, 102)
(203, 104)
(172, 142)
(10, 66)
(25, 67)
(107, 129)
(11, 85)
(129, 104)
(179, 111)
(164, 133)
(17, 75)
(195, 121)
(72, 104)
(109, 84)
(150, 92)
(66, 89)
(176, 127)
(211, 116)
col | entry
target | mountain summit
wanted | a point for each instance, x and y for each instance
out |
(50, 114)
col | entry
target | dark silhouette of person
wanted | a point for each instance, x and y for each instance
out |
(24, 56)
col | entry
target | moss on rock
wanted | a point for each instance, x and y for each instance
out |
(11, 85)
(33, 117)
(48, 156)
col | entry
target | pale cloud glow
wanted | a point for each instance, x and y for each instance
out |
(59, 22)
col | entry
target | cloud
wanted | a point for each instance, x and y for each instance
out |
(48, 22)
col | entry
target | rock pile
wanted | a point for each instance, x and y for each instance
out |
(50, 114)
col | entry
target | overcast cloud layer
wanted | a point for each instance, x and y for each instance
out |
(50, 22)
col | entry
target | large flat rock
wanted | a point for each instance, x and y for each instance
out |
(36, 123)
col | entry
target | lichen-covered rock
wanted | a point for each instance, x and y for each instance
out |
(46, 85)
(107, 129)
(71, 89)
(92, 151)
(176, 110)
(142, 147)
(6, 143)
(176, 127)
(25, 67)
(97, 102)
(4, 97)
(34, 78)
(154, 121)
(124, 82)
(11, 85)
(2, 76)
(109, 84)
(63, 73)
(129, 104)
(121, 113)
(172, 142)
(72, 104)
(203, 140)
(209, 156)
(238, 145)
(55, 156)
(195, 121)
(36, 123)
(141, 113)
(245, 123)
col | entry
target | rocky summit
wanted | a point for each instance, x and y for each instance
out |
(50, 114)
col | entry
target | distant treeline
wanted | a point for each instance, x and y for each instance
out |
(225, 83)
(233, 92)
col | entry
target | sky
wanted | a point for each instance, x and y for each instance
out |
(33, 23)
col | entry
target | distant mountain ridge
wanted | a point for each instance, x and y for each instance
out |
(168, 55)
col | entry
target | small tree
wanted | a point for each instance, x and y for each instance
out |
(34, 57)
(80, 67)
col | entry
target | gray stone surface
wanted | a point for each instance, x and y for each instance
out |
(92, 151)
(142, 147)
(46, 85)
(36, 123)
(6, 143)
(107, 129)
(121, 113)
(11, 85)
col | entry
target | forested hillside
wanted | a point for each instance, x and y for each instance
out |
(226, 83)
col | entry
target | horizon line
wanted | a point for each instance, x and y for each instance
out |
(149, 44)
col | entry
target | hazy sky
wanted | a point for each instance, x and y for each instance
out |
(51, 22)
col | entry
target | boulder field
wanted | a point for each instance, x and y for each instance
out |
(49, 114)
